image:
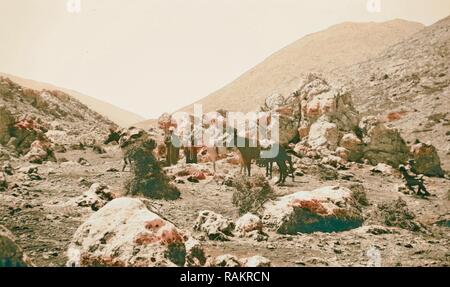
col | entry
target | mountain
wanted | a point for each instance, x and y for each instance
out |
(341, 45)
(119, 116)
(25, 114)
(409, 85)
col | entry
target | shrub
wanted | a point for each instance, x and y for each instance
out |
(251, 193)
(149, 179)
(396, 213)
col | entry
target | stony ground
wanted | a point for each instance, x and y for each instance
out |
(43, 214)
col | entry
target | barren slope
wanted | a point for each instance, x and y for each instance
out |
(338, 46)
(118, 115)
(408, 84)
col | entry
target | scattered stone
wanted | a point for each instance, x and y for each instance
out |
(226, 260)
(98, 149)
(40, 151)
(83, 162)
(256, 261)
(323, 134)
(383, 169)
(193, 179)
(3, 182)
(96, 197)
(214, 225)
(250, 225)
(7, 168)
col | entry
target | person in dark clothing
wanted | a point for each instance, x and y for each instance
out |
(168, 143)
(413, 181)
(172, 142)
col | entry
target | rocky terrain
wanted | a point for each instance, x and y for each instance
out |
(66, 200)
(408, 86)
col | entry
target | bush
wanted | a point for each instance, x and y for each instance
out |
(149, 179)
(359, 194)
(396, 213)
(251, 193)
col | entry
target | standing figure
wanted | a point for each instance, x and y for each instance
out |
(171, 150)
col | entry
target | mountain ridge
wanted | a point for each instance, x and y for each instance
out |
(286, 66)
(116, 114)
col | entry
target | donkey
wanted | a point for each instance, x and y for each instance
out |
(249, 153)
(282, 156)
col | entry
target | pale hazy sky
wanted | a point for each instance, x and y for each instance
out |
(151, 56)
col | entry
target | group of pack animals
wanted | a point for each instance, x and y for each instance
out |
(248, 155)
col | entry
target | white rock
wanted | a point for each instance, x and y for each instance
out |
(248, 223)
(226, 260)
(125, 233)
(323, 134)
(214, 225)
(257, 261)
(328, 209)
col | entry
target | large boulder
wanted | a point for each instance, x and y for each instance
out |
(383, 144)
(251, 226)
(427, 160)
(321, 98)
(125, 233)
(328, 209)
(353, 145)
(215, 226)
(11, 254)
(322, 133)
(247, 224)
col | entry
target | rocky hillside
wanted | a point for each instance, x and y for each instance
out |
(338, 46)
(408, 85)
(28, 115)
(119, 116)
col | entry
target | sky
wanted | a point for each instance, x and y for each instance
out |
(155, 56)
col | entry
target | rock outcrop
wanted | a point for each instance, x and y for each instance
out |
(426, 160)
(328, 209)
(321, 120)
(125, 233)
(382, 144)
